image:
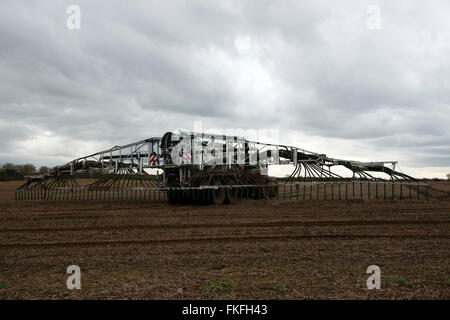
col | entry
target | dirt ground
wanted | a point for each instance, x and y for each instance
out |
(249, 249)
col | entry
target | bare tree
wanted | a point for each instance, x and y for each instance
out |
(43, 170)
(26, 169)
(8, 166)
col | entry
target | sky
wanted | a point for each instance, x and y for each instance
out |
(360, 80)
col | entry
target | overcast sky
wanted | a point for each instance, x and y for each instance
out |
(325, 74)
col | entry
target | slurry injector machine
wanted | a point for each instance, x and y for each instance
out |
(200, 167)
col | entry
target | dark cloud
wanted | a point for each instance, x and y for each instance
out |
(312, 70)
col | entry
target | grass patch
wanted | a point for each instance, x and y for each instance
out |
(51, 291)
(400, 281)
(5, 285)
(334, 277)
(421, 287)
(281, 288)
(221, 286)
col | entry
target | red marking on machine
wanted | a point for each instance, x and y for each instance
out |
(153, 159)
(187, 157)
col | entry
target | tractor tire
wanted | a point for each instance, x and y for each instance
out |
(218, 196)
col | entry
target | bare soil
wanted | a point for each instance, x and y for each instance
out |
(249, 249)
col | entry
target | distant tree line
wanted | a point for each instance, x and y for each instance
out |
(10, 171)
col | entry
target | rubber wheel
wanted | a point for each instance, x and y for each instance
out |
(231, 195)
(218, 196)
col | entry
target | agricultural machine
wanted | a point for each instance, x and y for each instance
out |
(200, 167)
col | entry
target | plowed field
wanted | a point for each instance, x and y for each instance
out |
(249, 249)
